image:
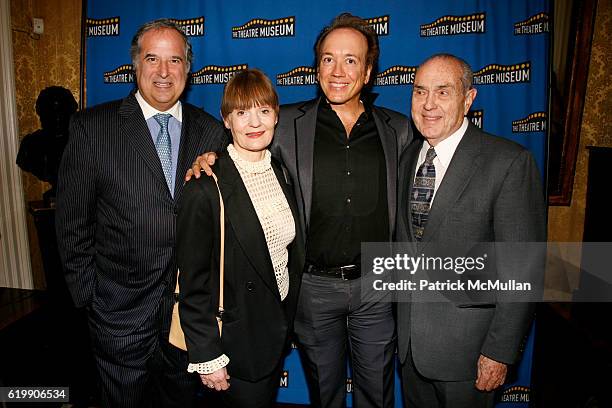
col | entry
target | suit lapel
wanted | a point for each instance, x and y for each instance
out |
(135, 129)
(284, 181)
(305, 128)
(464, 163)
(188, 149)
(240, 213)
(388, 140)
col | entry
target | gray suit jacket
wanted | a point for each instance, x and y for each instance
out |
(491, 193)
(293, 144)
(116, 218)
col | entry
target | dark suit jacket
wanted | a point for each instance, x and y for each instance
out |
(491, 192)
(293, 144)
(115, 215)
(255, 323)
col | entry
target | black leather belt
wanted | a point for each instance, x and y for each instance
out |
(347, 272)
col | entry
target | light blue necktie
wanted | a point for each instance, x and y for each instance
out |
(163, 146)
(422, 193)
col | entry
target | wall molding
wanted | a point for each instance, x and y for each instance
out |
(15, 264)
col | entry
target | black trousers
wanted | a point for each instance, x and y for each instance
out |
(421, 392)
(331, 322)
(142, 369)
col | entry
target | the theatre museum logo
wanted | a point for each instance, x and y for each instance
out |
(102, 27)
(476, 117)
(536, 24)
(396, 75)
(192, 27)
(517, 394)
(215, 74)
(123, 74)
(284, 379)
(534, 122)
(503, 74)
(262, 28)
(379, 24)
(349, 385)
(297, 76)
(455, 25)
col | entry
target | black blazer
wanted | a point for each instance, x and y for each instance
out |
(115, 216)
(256, 323)
(293, 144)
(491, 192)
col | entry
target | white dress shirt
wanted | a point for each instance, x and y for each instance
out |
(174, 128)
(444, 154)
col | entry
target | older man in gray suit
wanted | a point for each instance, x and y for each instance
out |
(461, 185)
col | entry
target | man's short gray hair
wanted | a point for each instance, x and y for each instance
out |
(157, 25)
(467, 76)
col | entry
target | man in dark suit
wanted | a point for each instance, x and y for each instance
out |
(457, 186)
(116, 215)
(342, 152)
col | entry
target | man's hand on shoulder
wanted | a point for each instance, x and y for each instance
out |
(202, 162)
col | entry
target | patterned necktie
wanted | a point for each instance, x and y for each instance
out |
(163, 146)
(422, 193)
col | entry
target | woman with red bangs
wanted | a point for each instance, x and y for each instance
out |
(264, 255)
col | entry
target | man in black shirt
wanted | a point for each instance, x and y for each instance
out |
(349, 197)
(342, 154)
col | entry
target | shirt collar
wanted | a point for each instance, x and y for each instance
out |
(367, 106)
(446, 148)
(176, 110)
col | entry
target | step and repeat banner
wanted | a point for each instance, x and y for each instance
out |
(505, 41)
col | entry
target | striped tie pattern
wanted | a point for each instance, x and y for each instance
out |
(163, 146)
(422, 193)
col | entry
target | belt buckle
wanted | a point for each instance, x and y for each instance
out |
(343, 268)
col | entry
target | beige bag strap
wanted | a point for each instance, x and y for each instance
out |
(221, 254)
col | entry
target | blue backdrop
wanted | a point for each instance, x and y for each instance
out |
(505, 42)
